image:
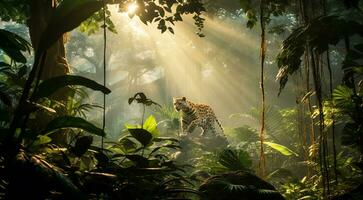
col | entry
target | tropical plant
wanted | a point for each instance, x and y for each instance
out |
(234, 159)
(237, 185)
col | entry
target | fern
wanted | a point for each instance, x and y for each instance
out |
(235, 159)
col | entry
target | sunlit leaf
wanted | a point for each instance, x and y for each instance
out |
(150, 125)
(41, 139)
(280, 148)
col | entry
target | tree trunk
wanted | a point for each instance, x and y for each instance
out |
(262, 161)
(55, 61)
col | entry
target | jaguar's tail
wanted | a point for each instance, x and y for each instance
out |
(220, 126)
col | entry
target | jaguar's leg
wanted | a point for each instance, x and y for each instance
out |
(184, 126)
(213, 130)
(192, 126)
(203, 131)
(206, 128)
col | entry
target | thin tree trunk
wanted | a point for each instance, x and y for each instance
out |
(333, 118)
(262, 162)
(324, 5)
(322, 137)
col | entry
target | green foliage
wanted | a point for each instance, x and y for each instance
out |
(73, 122)
(235, 159)
(244, 134)
(166, 13)
(151, 125)
(342, 96)
(142, 99)
(142, 165)
(306, 188)
(237, 185)
(352, 63)
(14, 10)
(318, 35)
(271, 8)
(91, 25)
(141, 135)
(13, 45)
(281, 148)
(82, 145)
(79, 170)
(50, 86)
(351, 104)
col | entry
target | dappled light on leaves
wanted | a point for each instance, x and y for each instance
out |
(183, 64)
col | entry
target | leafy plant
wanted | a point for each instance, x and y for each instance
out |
(237, 185)
(142, 99)
(318, 34)
(234, 159)
(281, 148)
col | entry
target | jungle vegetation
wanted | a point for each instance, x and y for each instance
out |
(86, 91)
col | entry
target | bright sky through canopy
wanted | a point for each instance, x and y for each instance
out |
(131, 9)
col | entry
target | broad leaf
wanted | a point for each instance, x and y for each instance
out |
(238, 185)
(49, 86)
(41, 139)
(13, 45)
(280, 148)
(138, 160)
(82, 145)
(141, 135)
(73, 122)
(151, 125)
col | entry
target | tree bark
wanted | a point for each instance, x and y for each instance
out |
(262, 162)
(55, 62)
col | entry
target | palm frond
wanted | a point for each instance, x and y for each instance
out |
(318, 34)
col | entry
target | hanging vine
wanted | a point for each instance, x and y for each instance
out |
(324, 5)
(104, 69)
(262, 161)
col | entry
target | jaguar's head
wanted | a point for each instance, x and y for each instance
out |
(180, 103)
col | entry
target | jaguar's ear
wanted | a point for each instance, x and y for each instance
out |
(184, 98)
